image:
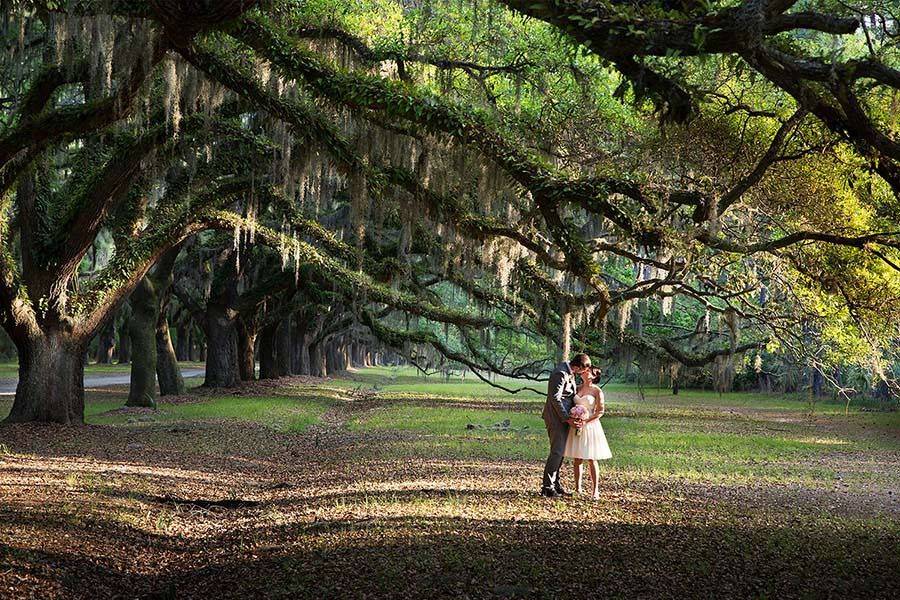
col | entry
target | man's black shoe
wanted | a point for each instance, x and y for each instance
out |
(548, 493)
(562, 492)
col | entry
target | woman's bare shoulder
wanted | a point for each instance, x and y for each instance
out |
(599, 392)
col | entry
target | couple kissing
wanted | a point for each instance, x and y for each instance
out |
(572, 414)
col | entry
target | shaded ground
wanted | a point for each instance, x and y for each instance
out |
(333, 488)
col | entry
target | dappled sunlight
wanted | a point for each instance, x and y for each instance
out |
(217, 488)
(824, 441)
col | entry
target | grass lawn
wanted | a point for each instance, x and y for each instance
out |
(381, 483)
(283, 413)
(696, 434)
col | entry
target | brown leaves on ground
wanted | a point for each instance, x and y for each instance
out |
(238, 510)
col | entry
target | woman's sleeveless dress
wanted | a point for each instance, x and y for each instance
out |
(591, 444)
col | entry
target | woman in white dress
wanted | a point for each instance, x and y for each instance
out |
(589, 445)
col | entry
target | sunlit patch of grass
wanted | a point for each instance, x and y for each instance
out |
(824, 441)
(280, 412)
(656, 446)
(444, 420)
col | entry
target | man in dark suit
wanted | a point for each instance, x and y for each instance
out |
(560, 399)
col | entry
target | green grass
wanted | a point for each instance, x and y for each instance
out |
(284, 413)
(408, 381)
(697, 434)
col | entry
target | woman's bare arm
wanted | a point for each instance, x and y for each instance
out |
(599, 405)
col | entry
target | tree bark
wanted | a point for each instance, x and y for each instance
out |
(51, 380)
(283, 352)
(299, 334)
(106, 344)
(144, 316)
(167, 371)
(123, 348)
(317, 366)
(183, 341)
(246, 329)
(268, 368)
(221, 348)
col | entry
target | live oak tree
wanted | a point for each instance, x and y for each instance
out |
(399, 188)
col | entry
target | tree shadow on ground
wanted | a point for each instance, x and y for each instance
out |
(407, 557)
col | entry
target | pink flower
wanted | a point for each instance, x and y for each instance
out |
(579, 412)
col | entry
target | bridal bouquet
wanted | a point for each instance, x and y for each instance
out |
(579, 412)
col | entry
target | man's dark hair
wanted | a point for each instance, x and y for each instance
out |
(579, 360)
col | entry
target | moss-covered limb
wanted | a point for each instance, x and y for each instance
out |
(890, 239)
(11, 171)
(338, 321)
(617, 30)
(524, 371)
(618, 250)
(339, 275)
(567, 237)
(236, 147)
(510, 303)
(181, 19)
(616, 38)
(361, 92)
(827, 88)
(169, 226)
(450, 210)
(81, 119)
(604, 298)
(45, 83)
(128, 266)
(670, 98)
(307, 124)
(376, 55)
(104, 181)
(529, 272)
(140, 9)
(16, 313)
(308, 227)
(700, 360)
(665, 351)
(400, 341)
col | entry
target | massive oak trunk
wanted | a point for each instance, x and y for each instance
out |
(220, 325)
(299, 339)
(246, 329)
(167, 371)
(144, 314)
(275, 352)
(153, 354)
(221, 348)
(51, 379)
(182, 343)
(268, 367)
(317, 366)
(283, 353)
(296, 353)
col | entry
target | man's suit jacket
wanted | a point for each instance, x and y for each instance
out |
(560, 393)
